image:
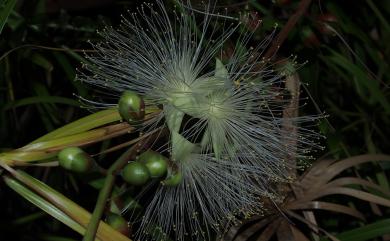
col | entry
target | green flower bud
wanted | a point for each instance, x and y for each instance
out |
(118, 223)
(135, 173)
(131, 107)
(75, 159)
(156, 163)
(173, 180)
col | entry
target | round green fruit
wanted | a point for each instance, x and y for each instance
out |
(135, 173)
(75, 159)
(131, 107)
(156, 163)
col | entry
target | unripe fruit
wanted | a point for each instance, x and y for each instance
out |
(118, 223)
(135, 173)
(75, 159)
(173, 180)
(156, 163)
(131, 107)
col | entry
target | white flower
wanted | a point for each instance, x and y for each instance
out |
(224, 118)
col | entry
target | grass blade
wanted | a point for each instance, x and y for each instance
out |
(5, 10)
(368, 232)
(43, 204)
(67, 206)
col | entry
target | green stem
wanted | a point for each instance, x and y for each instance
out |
(105, 192)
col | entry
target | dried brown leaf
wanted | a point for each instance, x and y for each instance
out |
(270, 230)
(298, 235)
(348, 192)
(328, 206)
(344, 181)
(252, 229)
(311, 225)
(284, 232)
(340, 166)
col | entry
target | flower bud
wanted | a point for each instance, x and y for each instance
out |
(156, 163)
(136, 173)
(131, 107)
(118, 223)
(75, 159)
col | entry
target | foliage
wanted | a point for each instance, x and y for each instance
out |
(344, 42)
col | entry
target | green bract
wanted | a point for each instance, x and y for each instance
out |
(75, 159)
(173, 180)
(118, 223)
(156, 163)
(131, 107)
(136, 173)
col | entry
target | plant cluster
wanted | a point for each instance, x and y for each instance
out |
(211, 115)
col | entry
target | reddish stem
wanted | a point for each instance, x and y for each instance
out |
(303, 5)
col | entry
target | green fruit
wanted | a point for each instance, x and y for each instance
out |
(135, 173)
(131, 107)
(173, 180)
(118, 223)
(156, 163)
(75, 159)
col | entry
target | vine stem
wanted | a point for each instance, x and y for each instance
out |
(109, 181)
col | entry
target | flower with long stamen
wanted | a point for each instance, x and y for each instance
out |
(226, 138)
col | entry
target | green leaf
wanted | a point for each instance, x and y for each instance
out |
(70, 72)
(43, 204)
(259, 7)
(84, 124)
(42, 61)
(29, 218)
(368, 232)
(5, 10)
(15, 20)
(97, 183)
(362, 79)
(379, 15)
(41, 100)
(65, 206)
(49, 113)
